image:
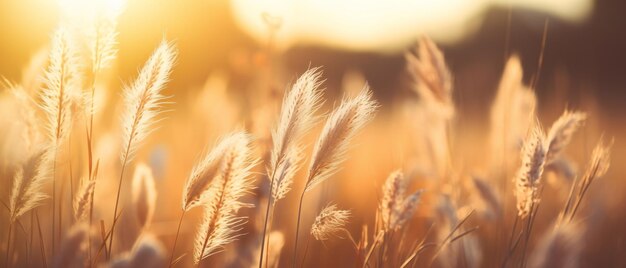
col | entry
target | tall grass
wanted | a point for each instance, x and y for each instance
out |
(434, 207)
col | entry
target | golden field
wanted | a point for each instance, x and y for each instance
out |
(118, 149)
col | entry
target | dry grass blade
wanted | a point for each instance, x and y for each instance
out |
(144, 195)
(561, 133)
(221, 224)
(28, 181)
(529, 174)
(598, 166)
(72, 248)
(341, 126)
(330, 221)
(83, 200)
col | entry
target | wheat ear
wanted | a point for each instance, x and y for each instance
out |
(221, 224)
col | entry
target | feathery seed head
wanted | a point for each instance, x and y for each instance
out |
(341, 126)
(329, 221)
(144, 100)
(529, 174)
(221, 224)
(82, 200)
(26, 192)
(561, 133)
(61, 84)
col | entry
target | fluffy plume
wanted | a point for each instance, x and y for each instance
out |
(72, 248)
(395, 209)
(393, 196)
(102, 38)
(82, 200)
(329, 221)
(26, 193)
(297, 116)
(221, 224)
(560, 247)
(284, 180)
(430, 71)
(144, 99)
(433, 115)
(529, 174)
(144, 194)
(512, 113)
(61, 86)
(561, 133)
(341, 126)
(195, 191)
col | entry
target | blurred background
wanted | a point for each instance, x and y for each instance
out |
(246, 49)
(584, 50)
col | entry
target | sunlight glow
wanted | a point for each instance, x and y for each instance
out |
(382, 25)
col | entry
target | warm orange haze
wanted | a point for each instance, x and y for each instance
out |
(483, 133)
